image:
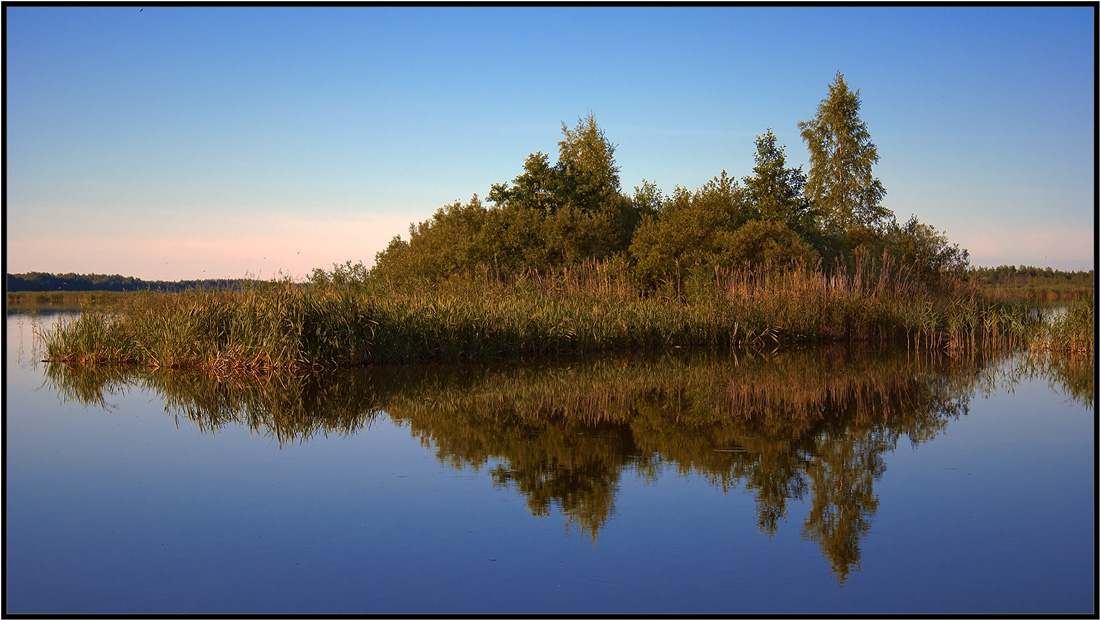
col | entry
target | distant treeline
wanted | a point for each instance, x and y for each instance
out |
(1033, 277)
(37, 281)
(1004, 276)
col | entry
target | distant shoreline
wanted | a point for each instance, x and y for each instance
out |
(37, 281)
(1005, 277)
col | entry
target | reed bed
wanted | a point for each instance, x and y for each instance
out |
(597, 307)
(1068, 333)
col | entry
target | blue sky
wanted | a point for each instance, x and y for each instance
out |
(195, 142)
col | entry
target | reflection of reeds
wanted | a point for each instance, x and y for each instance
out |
(1073, 374)
(286, 406)
(89, 386)
(594, 308)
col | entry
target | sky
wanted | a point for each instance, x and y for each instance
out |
(196, 142)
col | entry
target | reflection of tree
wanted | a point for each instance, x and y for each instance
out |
(842, 475)
(580, 473)
(800, 425)
(564, 462)
(784, 426)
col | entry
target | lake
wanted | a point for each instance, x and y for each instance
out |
(823, 481)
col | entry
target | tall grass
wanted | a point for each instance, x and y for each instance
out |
(273, 325)
(1071, 332)
(597, 307)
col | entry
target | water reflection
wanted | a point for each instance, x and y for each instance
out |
(804, 426)
(1074, 375)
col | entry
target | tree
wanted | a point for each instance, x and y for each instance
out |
(764, 241)
(840, 182)
(586, 163)
(537, 188)
(584, 177)
(927, 252)
(691, 232)
(560, 215)
(447, 244)
(648, 199)
(775, 191)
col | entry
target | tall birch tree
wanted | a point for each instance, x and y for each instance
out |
(840, 182)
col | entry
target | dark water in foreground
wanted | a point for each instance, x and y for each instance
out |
(821, 481)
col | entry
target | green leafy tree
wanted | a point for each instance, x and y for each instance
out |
(927, 252)
(662, 240)
(393, 261)
(447, 244)
(760, 242)
(841, 183)
(560, 215)
(537, 188)
(595, 220)
(775, 191)
(589, 176)
(691, 232)
(648, 199)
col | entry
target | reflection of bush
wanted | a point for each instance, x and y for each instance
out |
(811, 424)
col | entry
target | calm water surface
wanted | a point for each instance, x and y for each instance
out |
(805, 482)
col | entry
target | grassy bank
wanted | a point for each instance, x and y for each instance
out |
(282, 325)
